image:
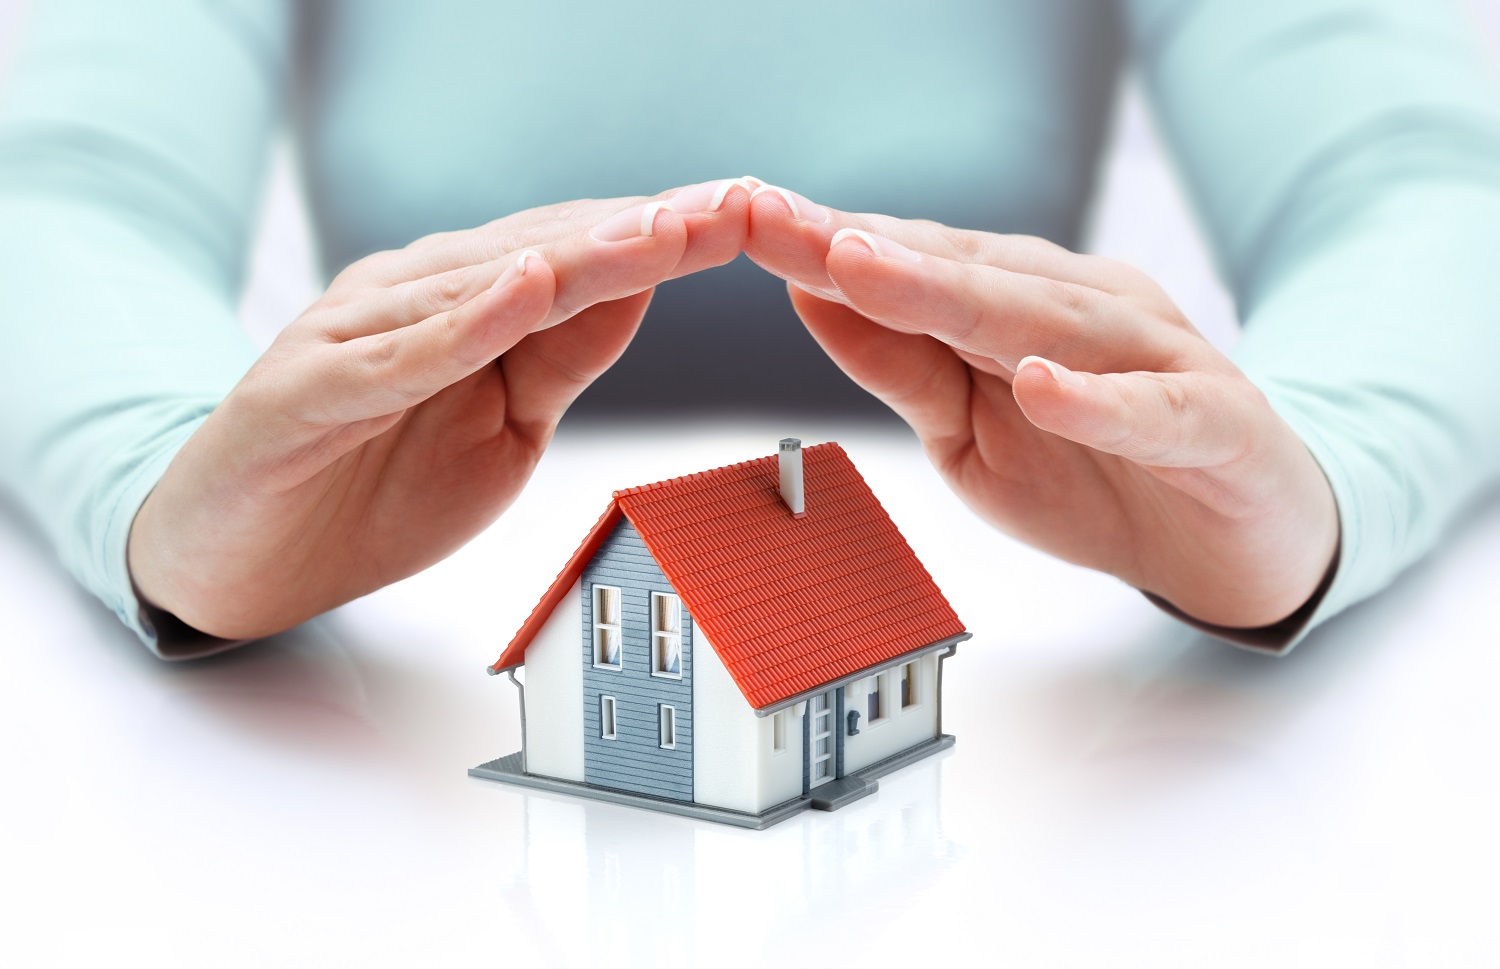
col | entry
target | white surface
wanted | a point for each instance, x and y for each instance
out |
(1123, 790)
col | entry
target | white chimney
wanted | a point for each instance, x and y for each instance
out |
(789, 460)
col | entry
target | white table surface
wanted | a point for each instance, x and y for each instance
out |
(1123, 791)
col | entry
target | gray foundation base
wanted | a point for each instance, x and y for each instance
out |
(825, 797)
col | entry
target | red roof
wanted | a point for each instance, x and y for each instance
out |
(788, 603)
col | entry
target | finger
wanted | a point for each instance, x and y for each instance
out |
(790, 236)
(717, 216)
(442, 252)
(388, 372)
(627, 253)
(402, 304)
(546, 372)
(589, 272)
(994, 312)
(916, 376)
(1170, 420)
(717, 222)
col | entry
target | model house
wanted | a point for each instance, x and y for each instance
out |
(738, 645)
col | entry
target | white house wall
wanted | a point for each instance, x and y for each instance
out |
(899, 729)
(726, 738)
(554, 693)
(781, 771)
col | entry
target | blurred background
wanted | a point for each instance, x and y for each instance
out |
(1139, 215)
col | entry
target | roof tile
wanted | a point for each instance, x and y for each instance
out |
(789, 604)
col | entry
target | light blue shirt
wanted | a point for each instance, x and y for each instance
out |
(1344, 156)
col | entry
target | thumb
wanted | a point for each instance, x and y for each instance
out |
(1182, 420)
(546, 372)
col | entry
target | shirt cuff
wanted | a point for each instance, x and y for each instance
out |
(1276, 639)
(163, 633)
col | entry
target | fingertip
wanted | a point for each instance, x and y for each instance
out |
(652, 220)
(878, 246)
(523, 293)
(880, 277)
(1040, 368)
(774, 199)
(1049, 394)
(707, 198)
(527, 272)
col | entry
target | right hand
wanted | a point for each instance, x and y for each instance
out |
(1068, 401)
(403, 411)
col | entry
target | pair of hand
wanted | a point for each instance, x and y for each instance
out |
(404, 411)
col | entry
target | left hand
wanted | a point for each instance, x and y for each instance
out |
(1068, 401)
(405, 409)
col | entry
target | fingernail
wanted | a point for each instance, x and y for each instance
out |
(707, 197)
(879, 245)
(802, 209)
(1059, 373)
(515, 270)
(630, 224)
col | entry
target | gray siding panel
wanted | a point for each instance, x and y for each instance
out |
(635, 761)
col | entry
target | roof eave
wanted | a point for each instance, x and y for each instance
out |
(950, 642)
(514, 654)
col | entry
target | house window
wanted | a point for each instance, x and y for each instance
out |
(667, 726)
(908, 685)
(666, 635)
(778, 732)
(875, 705)
(607, 718)
(606, 627)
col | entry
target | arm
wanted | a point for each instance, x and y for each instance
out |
(1070, 403)
(132, 144)
(1345, 158)
(387, 425)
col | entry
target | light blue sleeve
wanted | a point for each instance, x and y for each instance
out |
(133, 141)
(1344, 156)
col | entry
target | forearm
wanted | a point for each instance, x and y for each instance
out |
(1345, 157)
(112, 359)
(1378, 349)
(133, 141)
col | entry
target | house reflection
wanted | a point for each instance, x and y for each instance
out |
(604, 884)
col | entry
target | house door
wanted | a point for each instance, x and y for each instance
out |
(820, 759)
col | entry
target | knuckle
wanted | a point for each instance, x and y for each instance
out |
(972, 322)
(449, 288)
(506, 242)
(966, 245)
(379, 354)
(1175, 399)
(1166, 433)
(1076, 302)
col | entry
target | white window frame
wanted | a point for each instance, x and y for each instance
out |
(659, 638)
(666, 726)
(600, 627)
(908, 673)
(609, 723)
(778, 732)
